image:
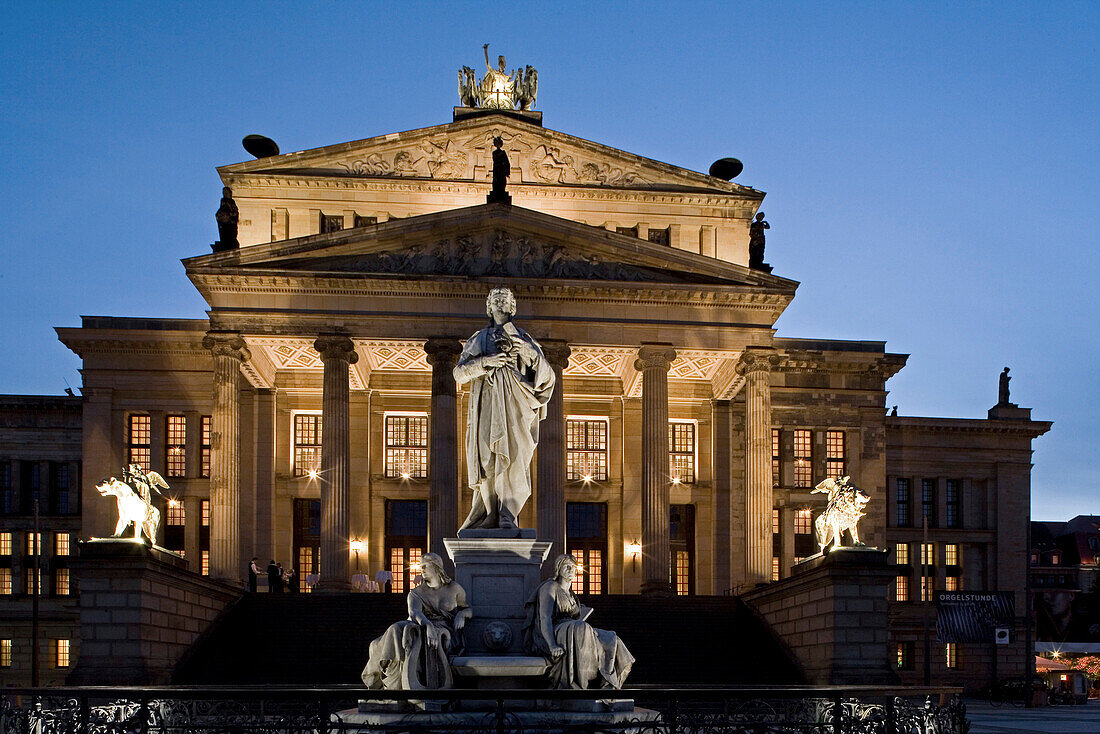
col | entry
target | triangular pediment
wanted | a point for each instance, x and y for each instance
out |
(462, 151)
(492, 240)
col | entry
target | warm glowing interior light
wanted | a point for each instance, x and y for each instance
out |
(313, 473)
(676, 480)
(634, 548)
(415, 567)
(356, 546)
(173, 502)
(587, 478)
(405, 475)
(1056, 654)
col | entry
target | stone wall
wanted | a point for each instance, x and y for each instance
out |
(140, 609)
(832, 614)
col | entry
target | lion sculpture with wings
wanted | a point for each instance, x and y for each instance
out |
(845, 508)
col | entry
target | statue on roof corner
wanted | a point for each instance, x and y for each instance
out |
(498, 90)
(227, 217)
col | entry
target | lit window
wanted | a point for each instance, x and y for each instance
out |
(803, 459)
(139, 441)
(681, 452)
(835, 463)
(952, 500)
(901, 588)
(61, 544)
(29, 578)
(177, 515)
(1055, 559)
(34, 544)
(775, 568)
(405, 566)
(803, 522)
(659, 236)
(591, 560)
(204, 512)
(586, 450)
(901, 554)
(204, 447)
(928, 501)
(927, 588)
(683, 572)
(928, 554)
(5, 653)
(61, 582)
(407, 446)
(307, 443)
(206, 563)
(904, 655)
(59, 652)
(951, 583)
(176, 446)
(305, 565)
(586, 529)
(776, 463)
(5, 543)
(775, 521)
(5, 582)
(904, 518)
(950, 554)
(951, 655)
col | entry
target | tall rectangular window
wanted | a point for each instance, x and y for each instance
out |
(29, 580)
(901, 554)
(901, 588)
(951, 655)
(904, 516)
(177, 515)
(952, 500)
(61, 581)
(204, 513)
(175, 449)
(174, 526)
(5, 543)
(835, 463)
(34, 544)
(681, 452)
(681, 540)
(5, 653)
(5, 582)
(205, 563)
(30, 480)
(139, 440)
(803, 522)
(928, 502)
(7, 492)
(928, 554)
(927, 588)
(775, 568)
(803, 458)
(586, 450)
(586, 540)
(777, 464)
(61, 544)
(407, 446)
(205, 445)
(59, 478)
(950, 554)
(406, 540)
(59, 653)
(951, 583)
(904, 656)
(307, 443)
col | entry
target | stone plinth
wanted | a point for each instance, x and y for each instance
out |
(140, 609)
(832, 614)
(499, 576)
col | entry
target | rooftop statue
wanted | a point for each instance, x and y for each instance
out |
(228, 217)
(510, 385)
(135, 502)
(845, 508)
(756, 243)
(1002, 388)
(414, 653)
(498, 90)
(501, 170)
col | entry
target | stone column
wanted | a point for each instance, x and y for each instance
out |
(229, 351)
(755, 366)
(337, 352)
(442, 354)
(653, 362)
(722, 467)
(550, 462)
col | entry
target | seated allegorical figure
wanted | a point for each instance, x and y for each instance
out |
(414, 654)
(579, 653)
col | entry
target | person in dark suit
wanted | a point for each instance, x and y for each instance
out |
(274, 578)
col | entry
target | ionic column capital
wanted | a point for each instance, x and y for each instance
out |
(754, 362)
(557, 352)
(335, 347)
(442, 350)
(226, 344)
(655, 356)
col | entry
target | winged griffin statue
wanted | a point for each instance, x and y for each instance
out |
(135, 506)
(843, 512)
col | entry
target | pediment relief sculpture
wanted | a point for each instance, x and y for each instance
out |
(497, 253)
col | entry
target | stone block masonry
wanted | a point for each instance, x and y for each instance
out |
(140, 609)
(832, 615)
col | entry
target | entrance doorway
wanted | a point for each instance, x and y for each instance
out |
(586, 540)
(307, 541)
(681, 544)
(406, 541)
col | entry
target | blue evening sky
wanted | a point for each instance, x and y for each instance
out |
(931, 168)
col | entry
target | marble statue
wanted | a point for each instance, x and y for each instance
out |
(556, 628)
(843, 512)
(135, 506)
(227, 216)
(756, 242)
(1002, 388)
(510, 385)
(414, 654)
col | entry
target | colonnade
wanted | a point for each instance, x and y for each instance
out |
(337, 353)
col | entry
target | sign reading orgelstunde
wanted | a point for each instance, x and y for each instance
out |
(973, 616)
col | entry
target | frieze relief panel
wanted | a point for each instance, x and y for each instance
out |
(469, 158)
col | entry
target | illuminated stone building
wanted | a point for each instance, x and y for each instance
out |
(311, 416)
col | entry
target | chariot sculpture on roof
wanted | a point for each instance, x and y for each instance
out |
(498, 90)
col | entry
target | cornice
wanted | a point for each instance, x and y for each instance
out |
(1034, 429)
(83, 345)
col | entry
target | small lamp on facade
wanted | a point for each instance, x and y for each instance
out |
(357, 547)
(633, 549)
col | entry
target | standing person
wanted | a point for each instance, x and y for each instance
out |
(253, 574)
(292, 581)
(281, 578)
(273, 582)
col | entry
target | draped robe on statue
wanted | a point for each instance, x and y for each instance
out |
(502, 429)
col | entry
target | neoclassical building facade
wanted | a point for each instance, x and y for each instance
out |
(311, 417)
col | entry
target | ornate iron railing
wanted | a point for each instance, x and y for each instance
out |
(335, 710)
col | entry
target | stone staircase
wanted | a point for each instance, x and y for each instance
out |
(303, 639)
